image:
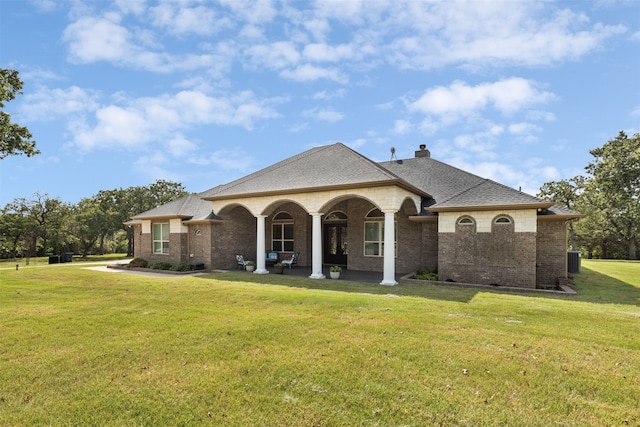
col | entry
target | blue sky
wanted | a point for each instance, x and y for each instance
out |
(121, 93)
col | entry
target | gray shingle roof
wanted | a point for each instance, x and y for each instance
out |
(192, 207)
(442, 187)
(451, 187)
(327, 166)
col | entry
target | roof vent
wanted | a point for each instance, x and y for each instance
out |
(423, 152)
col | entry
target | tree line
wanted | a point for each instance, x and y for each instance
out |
(608, 196)
(42, 225)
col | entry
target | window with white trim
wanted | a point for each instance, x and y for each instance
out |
(465, 221)
(374, 234)
(161, 238)
(282, 233)
(503, 220)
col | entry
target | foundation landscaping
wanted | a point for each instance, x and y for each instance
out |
(86, 347)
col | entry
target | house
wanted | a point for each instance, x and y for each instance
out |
(332, 205)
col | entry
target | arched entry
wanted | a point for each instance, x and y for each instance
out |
(336, 238)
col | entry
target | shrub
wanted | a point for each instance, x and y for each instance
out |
(138, 263)
(181, 266)
(335, 268)
(425, 275)
(160, 265)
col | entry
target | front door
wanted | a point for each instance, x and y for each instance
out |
(335, 243)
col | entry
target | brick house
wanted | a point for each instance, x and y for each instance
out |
(332, 205)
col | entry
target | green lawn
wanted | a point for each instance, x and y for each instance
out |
(83, 347)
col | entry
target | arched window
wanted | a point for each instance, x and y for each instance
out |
(503, 220)
(465, 220)
(374, 233)
(336, 216)
(282, 232)
(282, 216)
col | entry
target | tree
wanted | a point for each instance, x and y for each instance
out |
(14, 139)
(616, 177)
(564, 193)
(121, 204)
(45, 223)
(12, 231)
(609, 197)
(88, 224)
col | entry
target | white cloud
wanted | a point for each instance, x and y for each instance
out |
(227, 160)
(180, 146)
(324, 115)
(180, 19)
(432, 35)
(275, 55)
(44, 5)
(151, 166)
(307, 72)
(523, 128)
(446, 105)
(51, 104)
(402, 127)
(139, 121)
(92, 39)
(320, 52)
(326, 95)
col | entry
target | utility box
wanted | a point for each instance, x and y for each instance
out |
(54, 259)
(573, 264)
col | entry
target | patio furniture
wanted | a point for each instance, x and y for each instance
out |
(291, 261)
(271, 258)
(241, 262)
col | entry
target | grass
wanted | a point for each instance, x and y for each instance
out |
(40, 261)
(83, 347)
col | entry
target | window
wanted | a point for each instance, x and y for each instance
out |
(503, 220)
(374, 234)
(282, 233)
(336, 216)
(465, 221)
(161, 238)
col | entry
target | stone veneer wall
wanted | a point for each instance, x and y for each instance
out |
(551, 253)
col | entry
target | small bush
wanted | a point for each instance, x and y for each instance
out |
(425, 275)
(160, 265)
(181, 266)
(138, 263)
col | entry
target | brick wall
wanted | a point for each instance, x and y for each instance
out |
(302, 232)
(501, 257)
(200, 238)
(551, 253)
(235, 235)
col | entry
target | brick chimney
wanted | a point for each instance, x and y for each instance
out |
(423, 152)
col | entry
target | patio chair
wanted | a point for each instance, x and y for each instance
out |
(291, 261)
(242, 264)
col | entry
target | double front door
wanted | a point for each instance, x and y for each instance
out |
(335, 243)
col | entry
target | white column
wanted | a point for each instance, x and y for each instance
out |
(316, 247)
(389, 273)
(260, 247)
